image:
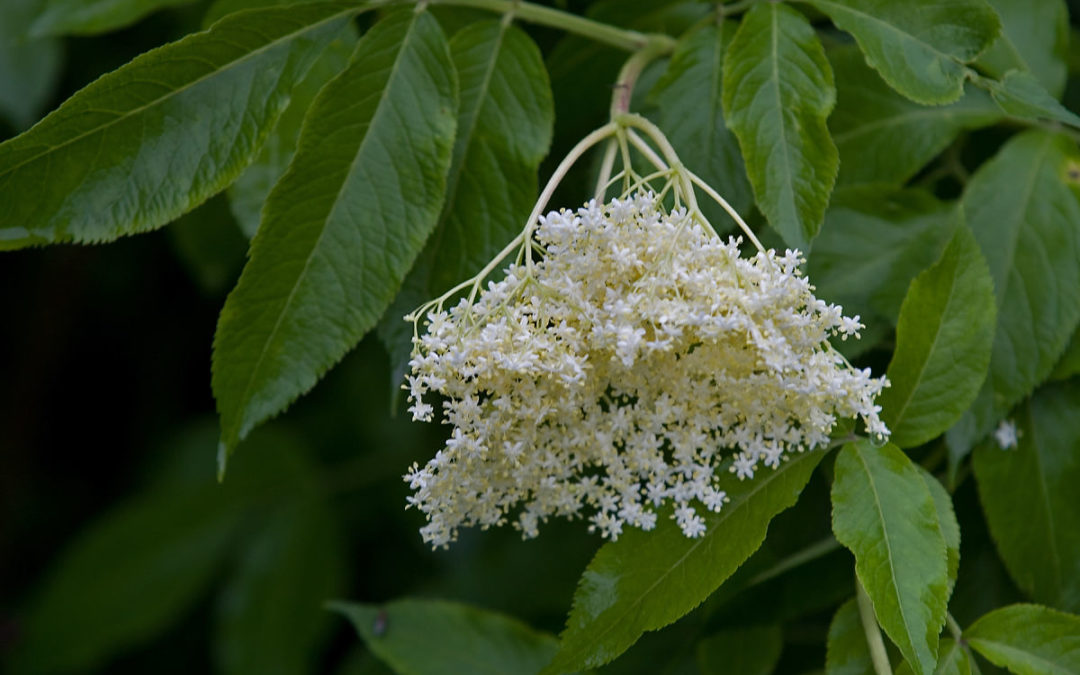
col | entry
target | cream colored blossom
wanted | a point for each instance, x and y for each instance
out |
(620, 371)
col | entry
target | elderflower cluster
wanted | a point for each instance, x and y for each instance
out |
(609, 377)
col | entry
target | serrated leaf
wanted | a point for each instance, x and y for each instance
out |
(505, 126)
(222, 8)
(270, 616)
(1028, 640)
(90, 17)
(884, 137)
(434, 637)
(953, 659)
(950, 528)
(1023, 206)
(1029, 497)
(919, 47)
(1034, 38)
(638, 583)
(778, 89)
(248, 193)
(884, 513)
(943, 343)
(157, 137)
(343, 225)
(688, 97)
(29, 68)
(1019, 94)
(846, 652)
(747, 651)
(1069, 364)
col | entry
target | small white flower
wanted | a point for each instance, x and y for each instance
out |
(1007, 435)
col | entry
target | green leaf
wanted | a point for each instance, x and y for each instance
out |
(639, 583)
(29, 68)
(846, 652)
(953, 659)
(271, 618)
(1024, 207)
(157, 137)
(344, 224)
(1029, 497)
(128, 576)
(875, 240)
(1034, 38)
(1069, 364)
(747, 651)
(884, 512)
(1028, 640)
(950, 528)
(778, 90)
(1019, 94)
(943, 342)
(90, 17)
(222, 8)
(434, 637)
(688, 96)
(886, 138)
(249, 192)
(920, 47)
(504, 130)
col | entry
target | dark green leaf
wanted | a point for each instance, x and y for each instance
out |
(1019, 94)
(920, 47)
(639, 582)
(950, 528)
(1034, 38)
(271, 617)
(1028, 640)
(433, 637)
(222, 8)
(688, 96)
(29, 68)
(1029, 495)
(147, 142)
(248, 194)
(343, 225)
(90, 17)
(883, 511)
(943, 342)
(778, 90)
(747, 651)
(846, 651)
(208, 242)
(884, 137)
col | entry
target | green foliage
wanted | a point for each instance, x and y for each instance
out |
(884, 512)
(88, 17)
(1019, 94)
(29, 68)
(1028, 640)
(778, 90)
(750, 651)
(434, 637)
(1034, 38)
(847, 653)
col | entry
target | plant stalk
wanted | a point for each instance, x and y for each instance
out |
(878, 654)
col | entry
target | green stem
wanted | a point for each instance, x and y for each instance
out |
(954, 628)
(878, 654)
(737, 7)
(621, 38)
(631, 71)
(801, 557)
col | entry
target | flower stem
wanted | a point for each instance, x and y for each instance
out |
(878, 655)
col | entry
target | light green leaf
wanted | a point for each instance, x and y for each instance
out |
(1028, 640)
(778, 90)
(875, 240)
(1024, 209)
(1019, 94)
(920, 47)
(157, 137)
(943, 342)
(29, 68)
(747, 651)
(950, 528)
(271, 618)
(886, 138)
(688, 97)
(953, 659)
(90, 17)
(344, 224)
(846, 652)
(1069, 364)
(1034, 38)
(248, 194)
(884, 512)
(639, 583)
(434, 637)
(1030, 499)
(504, 130)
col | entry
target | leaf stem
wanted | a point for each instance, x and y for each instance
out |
(954, 628)
(801, 557)
(632, 69)
(621, 38)
(878, 654)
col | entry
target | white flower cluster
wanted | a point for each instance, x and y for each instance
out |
(609, 377)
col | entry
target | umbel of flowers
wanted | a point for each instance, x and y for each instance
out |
(623, 358)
